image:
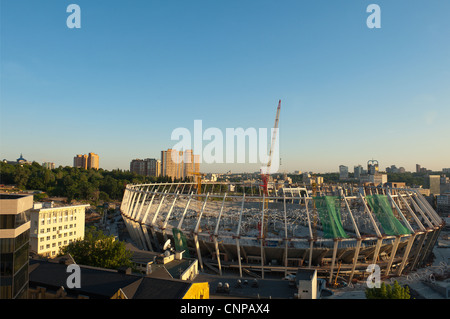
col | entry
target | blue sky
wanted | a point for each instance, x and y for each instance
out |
(136, 70)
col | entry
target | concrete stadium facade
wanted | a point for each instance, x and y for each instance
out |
(234, 226)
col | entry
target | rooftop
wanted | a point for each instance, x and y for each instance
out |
(100, 283)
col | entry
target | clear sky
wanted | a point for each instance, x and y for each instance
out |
(137, 70)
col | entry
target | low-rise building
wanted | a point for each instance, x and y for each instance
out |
(48, 280)
(55, 227)
(306, 282)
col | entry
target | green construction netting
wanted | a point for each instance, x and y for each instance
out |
(330, 217)
(383, 212)
(180, 242)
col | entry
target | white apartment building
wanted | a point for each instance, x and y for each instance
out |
(55, 227)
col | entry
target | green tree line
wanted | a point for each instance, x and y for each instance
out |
(73, 183)
(387, 291)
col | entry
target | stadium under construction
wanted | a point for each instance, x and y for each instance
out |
(236, 227)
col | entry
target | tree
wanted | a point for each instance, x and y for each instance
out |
(99, 250)
(21, 177)
(388, 292)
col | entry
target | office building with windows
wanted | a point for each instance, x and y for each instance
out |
(53, 228)
(179, 164)
(146, 167)
(86, 161)
(14, 244)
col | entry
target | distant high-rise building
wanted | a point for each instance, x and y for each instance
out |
(372, 167)
(358, 170)
(179, 164)
(417, 168)
(93, 161)
(343, 172)
(48, 165)
(86, 161)
(80, 161)
(435, 184)
(146, 167)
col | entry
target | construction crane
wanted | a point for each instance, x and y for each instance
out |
(265, 175)
(199, 180)
(198, 175)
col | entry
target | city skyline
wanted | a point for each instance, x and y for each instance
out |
(120, 84)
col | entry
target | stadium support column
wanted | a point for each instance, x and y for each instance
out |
(238, 233)
(216, 232)
(419, 249)
(355, 259)
(144, 219)
(311, 237)
(285, 237)
(152, 225)
(139, 213)
(197, 243)
(168, 216)
(432, 237)
(180, 223)
(358, 237)
(333, 261)
(393, 252)
(262, 237)
(380, 237)
(406, 254)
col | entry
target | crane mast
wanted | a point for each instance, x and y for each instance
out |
(265, 175)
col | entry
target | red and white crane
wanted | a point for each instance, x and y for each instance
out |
(265, 175)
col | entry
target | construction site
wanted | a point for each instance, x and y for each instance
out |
(265, 229)
(337, 231)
